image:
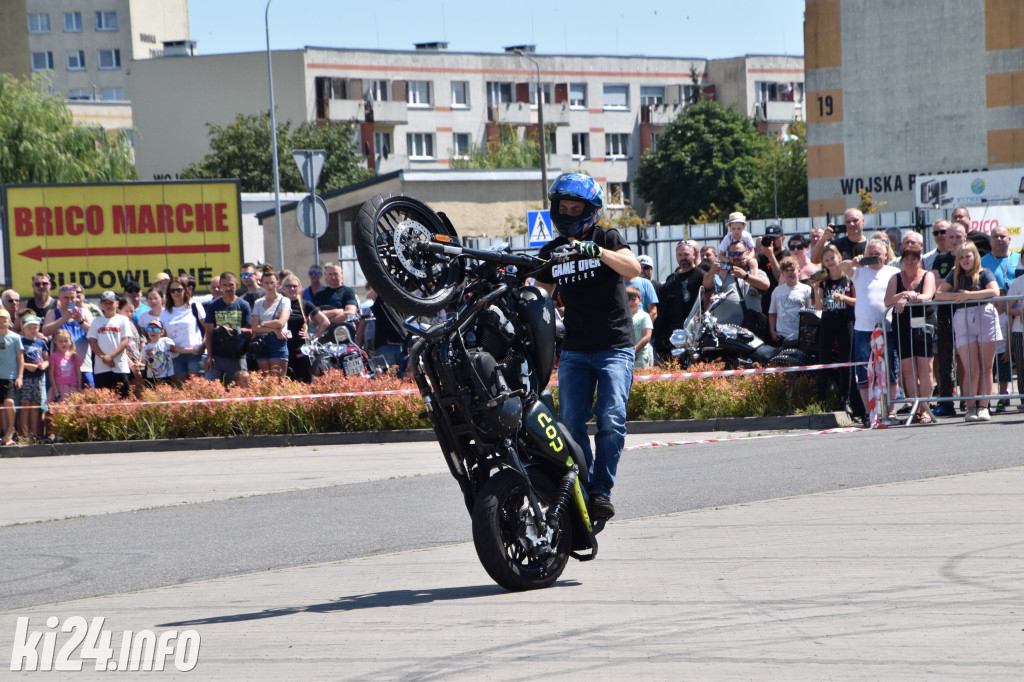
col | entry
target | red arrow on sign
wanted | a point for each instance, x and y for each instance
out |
(38, 252)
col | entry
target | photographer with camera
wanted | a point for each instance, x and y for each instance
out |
(770, 252)
(850, 245)
(744, 285)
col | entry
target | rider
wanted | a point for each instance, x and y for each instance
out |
(597, 352)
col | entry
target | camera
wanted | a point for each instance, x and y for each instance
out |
(767, 240)
(869, 260)
(838, 229)
(725, 266)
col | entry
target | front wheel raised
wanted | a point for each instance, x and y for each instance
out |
(506, 538)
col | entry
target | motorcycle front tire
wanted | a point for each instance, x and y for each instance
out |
(498, 533)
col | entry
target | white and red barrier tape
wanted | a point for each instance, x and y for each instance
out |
(701, 441)
(412, 391)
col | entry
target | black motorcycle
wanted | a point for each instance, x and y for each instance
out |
(703, 338)
(483, 375)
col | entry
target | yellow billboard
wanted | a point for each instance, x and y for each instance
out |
(105, 235)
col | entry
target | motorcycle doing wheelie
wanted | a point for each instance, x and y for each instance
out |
(702, 338)
(483, 376)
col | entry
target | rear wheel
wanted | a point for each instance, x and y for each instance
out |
(505, 537)
(387, 235)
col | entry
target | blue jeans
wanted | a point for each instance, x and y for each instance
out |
(610, 373)
(862, 353)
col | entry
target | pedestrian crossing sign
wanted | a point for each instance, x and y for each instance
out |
(540, 227)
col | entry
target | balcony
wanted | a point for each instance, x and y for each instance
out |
(556, 114)
(391, 113)
(775, 112)
(347, 110)
(660, 114)
(516, 113)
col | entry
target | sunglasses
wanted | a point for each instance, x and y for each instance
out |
(797, 247)
(68, 288)
(733, 254)
(40, 284)
(938, 232)
(246, 275)
(316, 273)
(154, 330)
(176, 290)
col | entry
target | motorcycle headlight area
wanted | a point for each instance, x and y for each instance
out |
(680, 338)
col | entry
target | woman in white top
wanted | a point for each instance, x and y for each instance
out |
(155, 301)
(270, 321)
(185, 330)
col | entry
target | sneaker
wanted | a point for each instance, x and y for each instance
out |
(983, 415)
(944, 410)
(601, 507)
(1001, 406)
(972, 415)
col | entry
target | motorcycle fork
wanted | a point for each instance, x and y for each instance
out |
(538, 515)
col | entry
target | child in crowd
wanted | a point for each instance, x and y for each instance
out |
(65, 366)
(33, 387)
(737, 233)
(643, 328)
(157, 352)
(241, 379)
(12, 369)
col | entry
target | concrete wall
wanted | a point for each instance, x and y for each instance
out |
(911, 90)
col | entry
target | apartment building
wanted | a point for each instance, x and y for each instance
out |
(426, 108)
(907, 89)
(86, 46)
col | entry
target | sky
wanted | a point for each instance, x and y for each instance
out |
(711, 29)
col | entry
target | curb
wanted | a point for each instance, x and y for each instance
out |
(827, 420)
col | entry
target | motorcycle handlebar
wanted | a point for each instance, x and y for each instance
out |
(499, 257)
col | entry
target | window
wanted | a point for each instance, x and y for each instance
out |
(651, 95)
(421, 145)
(616, 145)
(112, 94)
(106, 21)
(78, 93)
(618, 194)
(578, 95)
(377, 91)
(72, 22)
(616, 96)
(544, 88)
(689, 95)
(581, 145)
(460, 94)
(382, 142)
(460, 147)
(418, 93)
(110, 59)
(498, 93)
(39, 23)
(654, 142)
(42, 61)
(552, 146)
(76, 61)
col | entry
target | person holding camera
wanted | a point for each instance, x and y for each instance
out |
(770, 252)
(742, 282)
(852, 244)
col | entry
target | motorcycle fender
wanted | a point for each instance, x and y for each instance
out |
(544, 431)
(537, 314)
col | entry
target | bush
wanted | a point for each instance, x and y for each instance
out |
(197, 409)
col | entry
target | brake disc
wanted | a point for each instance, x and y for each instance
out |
(407, 234)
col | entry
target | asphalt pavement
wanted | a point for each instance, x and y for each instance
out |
(914, 579)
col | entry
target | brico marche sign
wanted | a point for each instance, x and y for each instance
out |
(104, 235)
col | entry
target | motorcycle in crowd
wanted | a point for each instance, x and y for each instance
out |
(336, 350)
(703, 338)
(483, 375)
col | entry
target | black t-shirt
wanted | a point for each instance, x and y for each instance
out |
(336, 298)
(985, 277)
(849, 250)
(676, 300)
(388, 327)
(834, 310)
(980, 240)
(302, 310)
(39, 310)
(596, 313)
(943, 264)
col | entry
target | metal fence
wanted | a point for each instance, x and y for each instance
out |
(1009, 352)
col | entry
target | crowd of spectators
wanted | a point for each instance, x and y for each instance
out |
(52, 346)
(859, 282)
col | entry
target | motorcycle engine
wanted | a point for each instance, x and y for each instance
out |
(496, 335)
(494, 359)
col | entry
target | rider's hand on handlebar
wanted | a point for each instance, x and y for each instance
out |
(588, 249)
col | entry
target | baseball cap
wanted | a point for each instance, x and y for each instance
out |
(154, 324)
(30, 319)
(132, 285)
(645, 261)
(736, 217)
(773, 231)
(108, 296)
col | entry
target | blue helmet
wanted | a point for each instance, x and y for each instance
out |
(576, 187)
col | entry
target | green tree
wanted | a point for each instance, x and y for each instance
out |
(40, 142)
(508, 152)
(783, 175)
(708, 155)
(242, 149)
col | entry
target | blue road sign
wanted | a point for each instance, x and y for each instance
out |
(539, 225)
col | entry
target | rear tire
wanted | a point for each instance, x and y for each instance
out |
(499, 527)
(387, 232)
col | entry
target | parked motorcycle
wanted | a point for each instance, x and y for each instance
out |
(336, 350)
(703, 338)
(483, 375)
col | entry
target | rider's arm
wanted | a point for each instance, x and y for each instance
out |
(622, 261)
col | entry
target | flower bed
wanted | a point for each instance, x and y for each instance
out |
(102, 416)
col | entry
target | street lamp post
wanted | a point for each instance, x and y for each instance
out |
(273, 145)
(543, 133)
